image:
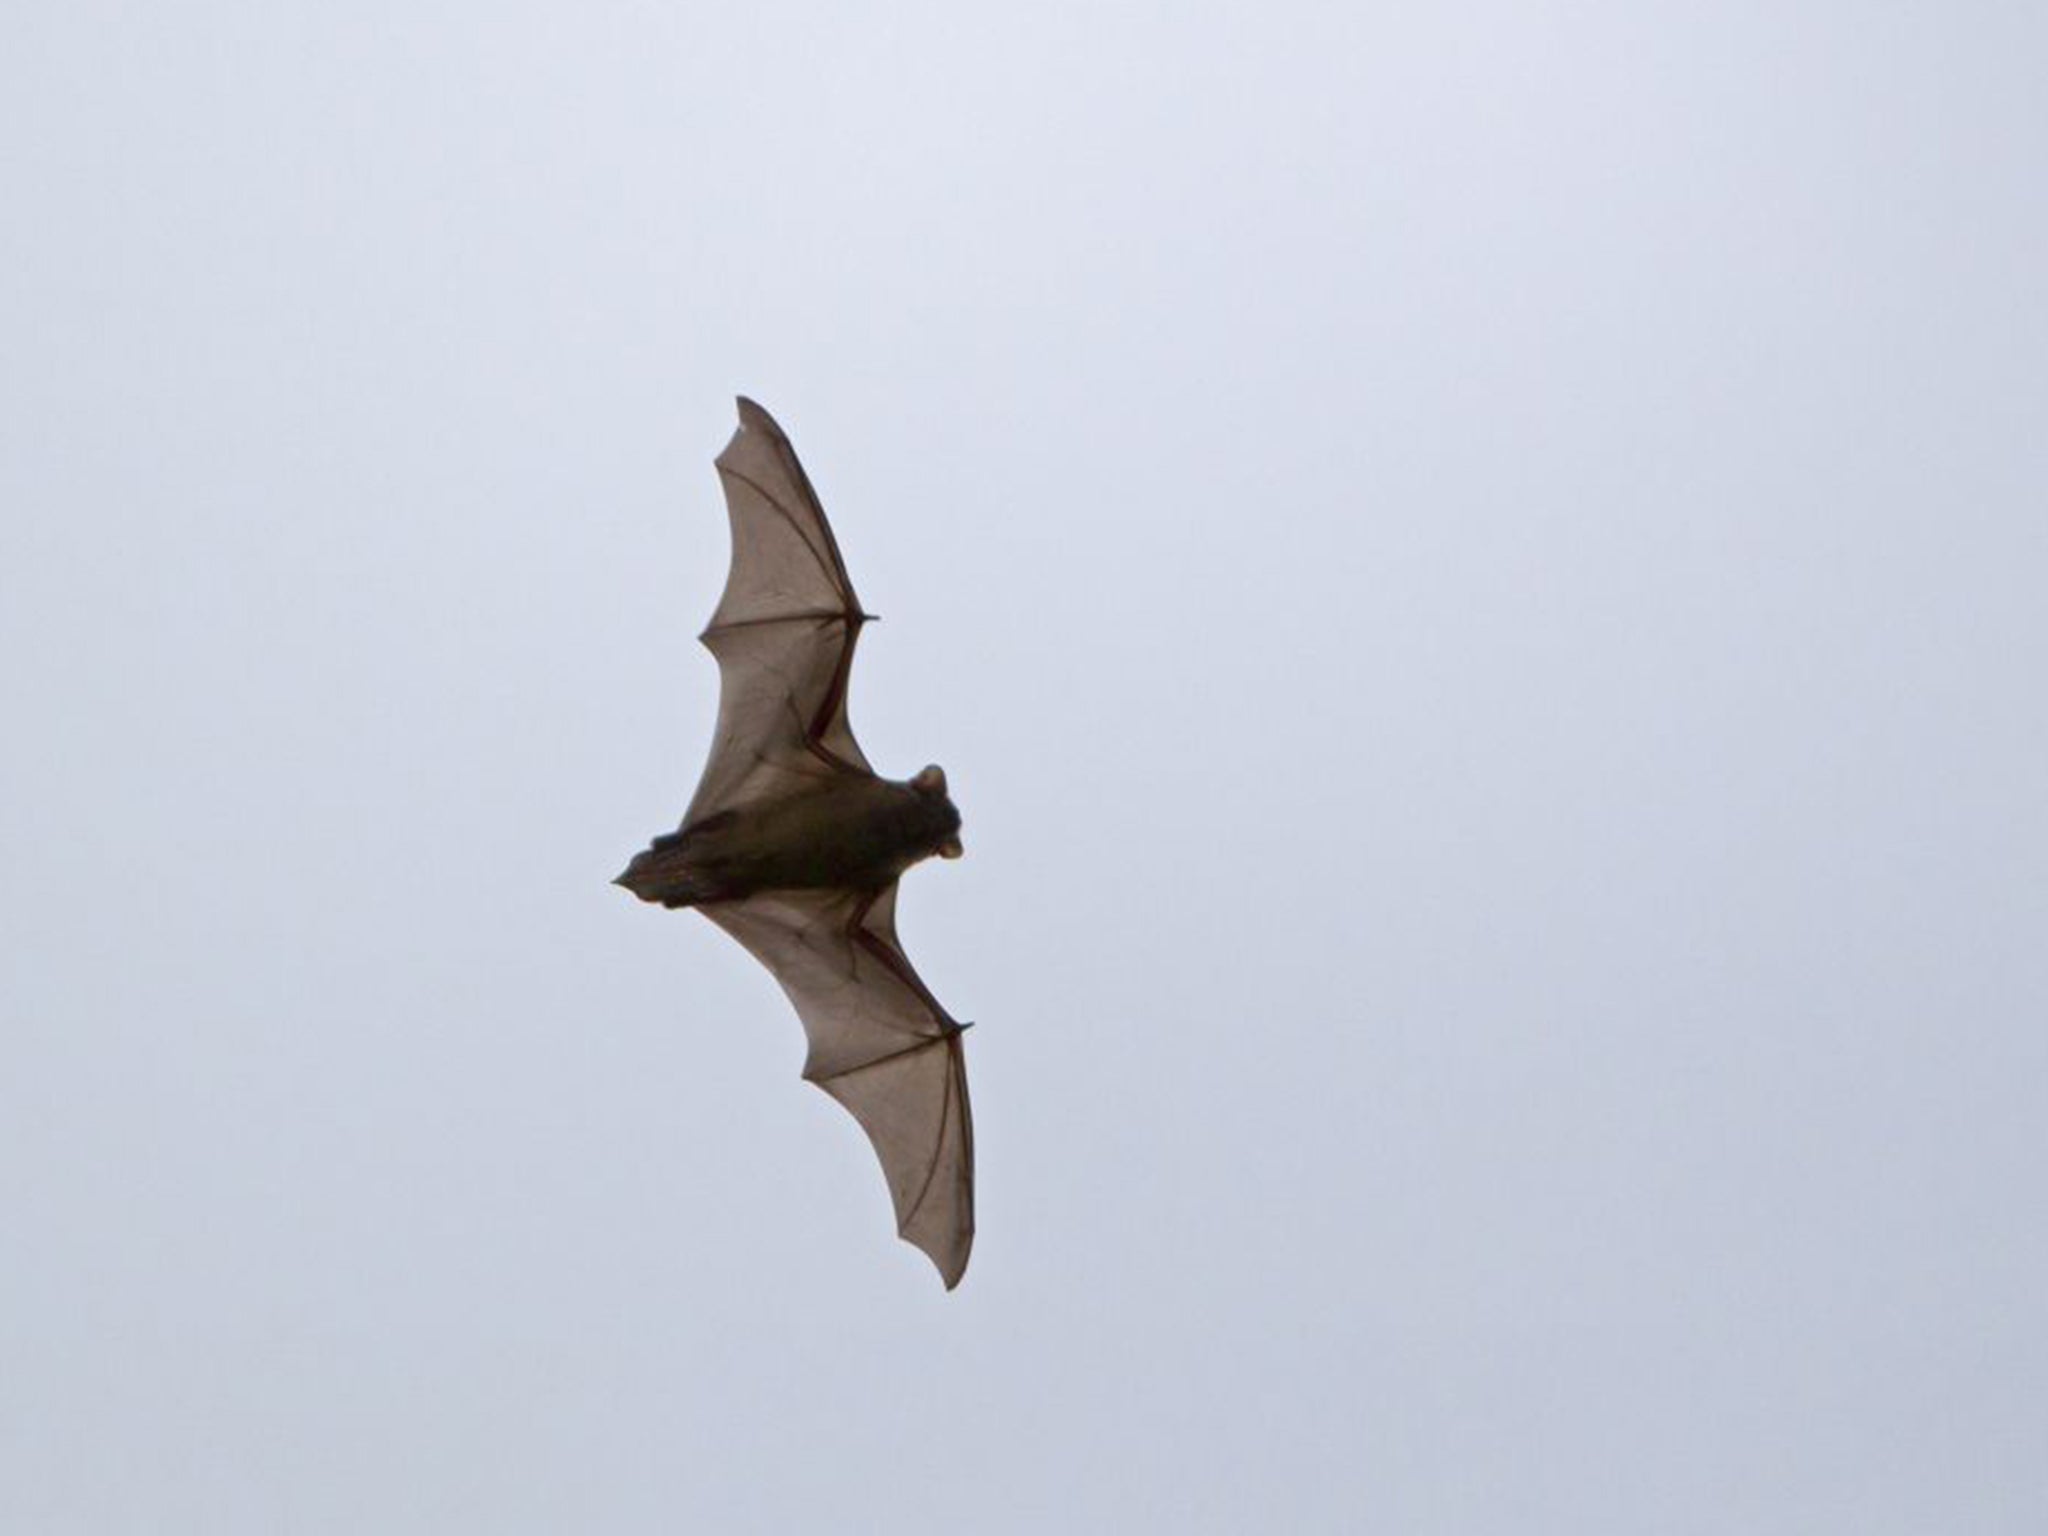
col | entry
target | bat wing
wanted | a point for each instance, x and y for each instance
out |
(880, 1044)
(783, 632)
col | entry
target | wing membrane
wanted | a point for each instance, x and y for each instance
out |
(880, 1044)
(783, 632)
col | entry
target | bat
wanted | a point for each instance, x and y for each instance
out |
(793, 844)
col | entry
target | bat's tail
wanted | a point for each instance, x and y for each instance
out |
(662, 872)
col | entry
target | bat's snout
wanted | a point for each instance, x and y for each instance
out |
(951, 848)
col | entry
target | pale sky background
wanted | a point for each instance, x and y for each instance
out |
(1478, 572)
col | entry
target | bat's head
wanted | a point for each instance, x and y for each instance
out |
(930, 785)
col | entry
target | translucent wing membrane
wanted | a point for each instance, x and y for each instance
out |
(914, 1109)
(880, 1044)
(784, 630)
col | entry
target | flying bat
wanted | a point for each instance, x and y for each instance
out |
(793, 844)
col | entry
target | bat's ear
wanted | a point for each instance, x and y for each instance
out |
(930, 780)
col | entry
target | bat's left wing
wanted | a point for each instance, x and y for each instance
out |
(783, 632)
(880, 1044)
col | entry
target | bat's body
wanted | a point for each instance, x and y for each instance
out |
(793, 844)
(848, 833)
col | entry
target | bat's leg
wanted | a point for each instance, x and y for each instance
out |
(663, 872)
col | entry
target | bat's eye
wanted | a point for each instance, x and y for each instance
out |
(930, 780)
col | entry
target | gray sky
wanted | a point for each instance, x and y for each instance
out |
(1477, 572)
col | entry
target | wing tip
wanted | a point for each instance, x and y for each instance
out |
(951, 1265)
(753, 414)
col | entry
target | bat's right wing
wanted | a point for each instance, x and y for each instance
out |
(880, 1044)
(783, 632)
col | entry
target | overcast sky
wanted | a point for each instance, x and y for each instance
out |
(1478, 574)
